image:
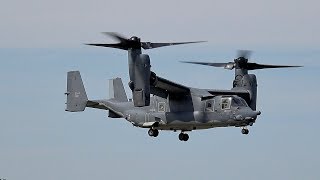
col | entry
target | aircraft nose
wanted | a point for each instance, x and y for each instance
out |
(252, 115)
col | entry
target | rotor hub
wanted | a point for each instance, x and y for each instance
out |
(240, 62)
(135, 39)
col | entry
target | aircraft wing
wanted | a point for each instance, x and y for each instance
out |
(239, 92)
(163, 87)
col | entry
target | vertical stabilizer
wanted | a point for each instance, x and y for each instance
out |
(116, 90)
(76, 94)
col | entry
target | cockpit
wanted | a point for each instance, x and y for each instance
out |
(237, 101)
(233, 101)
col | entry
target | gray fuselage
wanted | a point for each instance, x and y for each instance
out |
(186, 113)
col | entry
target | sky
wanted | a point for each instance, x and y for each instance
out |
(40, 41)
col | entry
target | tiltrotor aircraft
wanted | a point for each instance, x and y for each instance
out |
(173, 106)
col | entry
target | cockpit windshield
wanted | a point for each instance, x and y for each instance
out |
(236, 101)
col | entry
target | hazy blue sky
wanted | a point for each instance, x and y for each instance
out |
(41, 40)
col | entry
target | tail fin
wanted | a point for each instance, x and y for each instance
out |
(116, 90)
(76, 94)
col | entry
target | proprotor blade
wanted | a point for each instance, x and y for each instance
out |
(150, 45)
(118, 46)
(253, 66)
(124, 43)
(135, 43)
(241, 62)
(206, 63)
(116, 36)
(229, 65)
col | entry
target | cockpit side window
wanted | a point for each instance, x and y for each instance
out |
(209, 105)
(236, 101)
(244, 102)
(225, 103)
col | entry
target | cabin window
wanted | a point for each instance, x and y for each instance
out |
(225, 103)
(161, 107)
(209, 106)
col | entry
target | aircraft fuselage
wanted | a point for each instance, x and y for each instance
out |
(187, 115)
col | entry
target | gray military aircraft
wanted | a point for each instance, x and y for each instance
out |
(172, 106)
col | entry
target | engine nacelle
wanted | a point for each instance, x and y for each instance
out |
(141, 84)
(249, 82)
